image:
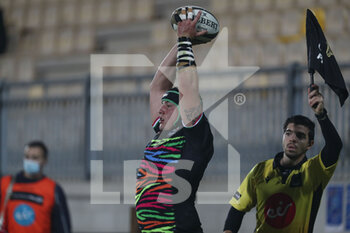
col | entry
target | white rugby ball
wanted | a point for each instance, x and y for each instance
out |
(207, 22)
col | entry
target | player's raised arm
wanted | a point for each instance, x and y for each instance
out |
(333, 144)
(190, 103)
(162, 81)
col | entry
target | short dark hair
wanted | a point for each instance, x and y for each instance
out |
(40, 144)
(301, 120)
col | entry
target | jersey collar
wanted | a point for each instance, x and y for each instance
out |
(277, 164)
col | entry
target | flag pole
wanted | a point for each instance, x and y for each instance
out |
(311, 72)
(312, 82)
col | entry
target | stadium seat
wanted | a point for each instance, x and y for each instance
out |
(261, 5)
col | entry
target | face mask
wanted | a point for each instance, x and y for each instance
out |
(31, 166)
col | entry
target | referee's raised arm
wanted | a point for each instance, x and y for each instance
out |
(333, 144)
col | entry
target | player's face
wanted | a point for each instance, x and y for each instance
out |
(296, 141)
(168, 114)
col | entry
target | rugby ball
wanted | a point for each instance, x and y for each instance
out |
(207, 22)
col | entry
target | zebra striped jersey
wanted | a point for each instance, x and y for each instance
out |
(158, 188)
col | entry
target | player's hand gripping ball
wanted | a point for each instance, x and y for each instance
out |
(207, 21)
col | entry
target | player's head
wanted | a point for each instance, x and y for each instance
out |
(301, 120)
(35, 157)
(169, 113)
(298, 136)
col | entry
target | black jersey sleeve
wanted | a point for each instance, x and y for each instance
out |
(333, 144)
(234, 220)
(60, 214)
(200, 130)
(200, 137)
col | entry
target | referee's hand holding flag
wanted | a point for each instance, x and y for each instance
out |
(321, 58)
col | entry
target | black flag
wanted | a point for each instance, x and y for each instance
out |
(321, 58)
(3, 38)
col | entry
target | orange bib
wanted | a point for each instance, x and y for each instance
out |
(30, 206)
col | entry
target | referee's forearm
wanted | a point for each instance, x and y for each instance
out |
(333, 144)
(233, 221)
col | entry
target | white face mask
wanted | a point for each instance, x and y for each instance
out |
(31, 166)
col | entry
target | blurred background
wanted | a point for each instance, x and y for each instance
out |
(45, 93)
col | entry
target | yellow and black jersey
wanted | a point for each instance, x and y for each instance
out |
(285, 201)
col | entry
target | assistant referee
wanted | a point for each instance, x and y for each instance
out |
(287, 189)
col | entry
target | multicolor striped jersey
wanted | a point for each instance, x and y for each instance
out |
(168, 179)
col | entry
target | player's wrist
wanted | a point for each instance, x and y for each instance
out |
(321, 116)
(183, 39)
(185, 56)
(185, 34)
